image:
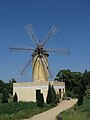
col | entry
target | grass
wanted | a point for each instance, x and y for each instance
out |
(20, 110)
(78, 112)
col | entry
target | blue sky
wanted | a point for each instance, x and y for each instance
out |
(72, 17)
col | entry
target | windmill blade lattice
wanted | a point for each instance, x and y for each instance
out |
(29, 29)
(25, 66)
(50, 34)
(21, 49)
(63, 51)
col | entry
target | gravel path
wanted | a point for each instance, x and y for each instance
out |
(52, 113)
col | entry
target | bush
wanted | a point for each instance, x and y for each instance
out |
(64, 97)
(80, 99)
(70, 94)
(50, 95)
(59, 117)
(4, 96)
(40, 101)
(15, 98)
(57, 98)
(54, 95)
(87, 92)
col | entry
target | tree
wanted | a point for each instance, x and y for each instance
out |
(86, 76)
(71, 79)
(2, 86)
(40, 101)
(50, 95)
(80, 95)
(4, 96)
(54, 95)
(15, 98)
(57, 98)
(80, 99)
(87, 92)
(10, 85)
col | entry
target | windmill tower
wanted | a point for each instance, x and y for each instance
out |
(39, 57)
(39, 67)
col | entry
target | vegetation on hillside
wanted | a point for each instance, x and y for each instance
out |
(8, 86)
(20, 110)
(77, 85)
(78, 112)
(74, 81)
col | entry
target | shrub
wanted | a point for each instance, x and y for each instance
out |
(80, 99)
(4, 96)
(64, 97)
(50, 95)
(40, 101)
(54, 95)
(87, 92)
(15, 98)
(70, 94)
(57, 98)
(80, 95)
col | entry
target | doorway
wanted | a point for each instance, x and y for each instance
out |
(60, 93)
(38, 92)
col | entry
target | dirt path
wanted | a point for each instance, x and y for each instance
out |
(52, 113)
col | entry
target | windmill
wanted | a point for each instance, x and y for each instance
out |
(39, 57)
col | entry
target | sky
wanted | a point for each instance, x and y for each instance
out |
(71, 17)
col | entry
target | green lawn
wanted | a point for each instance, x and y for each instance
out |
(78, 112)
(20, 110)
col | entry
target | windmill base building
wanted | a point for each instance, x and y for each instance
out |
(28, 91)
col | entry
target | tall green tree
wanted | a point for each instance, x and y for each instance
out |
(4, 96)
(50, 95)
(54, 94)
(80, 99)
(80, 95)
(71, 79)
(2, 86)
